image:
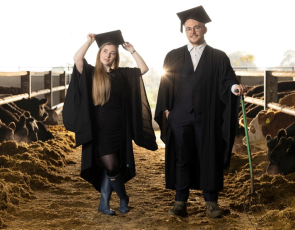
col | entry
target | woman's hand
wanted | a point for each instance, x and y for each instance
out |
(79, 55)
(91, 38)
(127, 46)
(138, 59)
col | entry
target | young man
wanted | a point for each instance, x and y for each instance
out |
(197, 110)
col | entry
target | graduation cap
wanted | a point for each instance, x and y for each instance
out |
(115, 37)
(197, 13)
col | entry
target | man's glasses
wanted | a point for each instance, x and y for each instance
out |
(195, 28)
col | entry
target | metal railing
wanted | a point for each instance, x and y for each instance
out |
(26, 86)
(270, 89)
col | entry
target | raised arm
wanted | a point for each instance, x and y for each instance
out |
(138, 59)
(79, 56)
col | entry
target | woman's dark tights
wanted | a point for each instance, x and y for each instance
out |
(111, 164)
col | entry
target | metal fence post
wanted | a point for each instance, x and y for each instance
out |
(48, 85)
(270, 88)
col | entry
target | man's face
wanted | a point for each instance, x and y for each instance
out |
(195, 31)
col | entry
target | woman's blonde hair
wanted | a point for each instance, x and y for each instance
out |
(101, 87)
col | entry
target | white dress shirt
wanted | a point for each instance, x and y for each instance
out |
(196, 53)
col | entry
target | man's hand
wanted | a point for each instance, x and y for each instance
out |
(167, 114)
(240, 90)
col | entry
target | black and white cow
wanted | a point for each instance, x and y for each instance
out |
(7, 131)
(21, 131)
(282, 157)
(35, 106)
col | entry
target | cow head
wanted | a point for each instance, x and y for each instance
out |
(241, 121)
(35, 106)
(282, 157)
(44, 134)
(42, 112)
(262, 125)
(21, 131)
(7, 132)
(265, 117)
(52, 118)
(271, 143)
(255, 134)
(32, 128)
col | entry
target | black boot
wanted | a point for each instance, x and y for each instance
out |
(213, 209)
(179, 209)
(119, 187)
(106, 191)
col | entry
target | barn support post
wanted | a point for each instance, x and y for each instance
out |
(62, 82)
(26, 83)
(270, 88)
(48, 85)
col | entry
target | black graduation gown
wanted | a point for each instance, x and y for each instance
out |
(78, 115)
(219, 116)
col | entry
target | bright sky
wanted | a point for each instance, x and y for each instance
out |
(37, 33)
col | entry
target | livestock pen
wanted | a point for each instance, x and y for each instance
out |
(25, 89)
(270, 82)
(54, 197)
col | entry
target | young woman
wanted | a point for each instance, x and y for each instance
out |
(107, 108)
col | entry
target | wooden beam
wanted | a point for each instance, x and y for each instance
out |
(283, 74)
(13, 98)
(12, 74)
(255, 101)
(40, 92)
(270, 88)
(282, 108)
(272, 105)
(250, 73)
(26, 83)
(39, 73)
(58, 88)
(62, 82)
(48, 83)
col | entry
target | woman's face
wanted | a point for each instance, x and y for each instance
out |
(108, 55)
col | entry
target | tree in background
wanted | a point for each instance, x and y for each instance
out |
(151, 78)
(289, 59)
(126, 60)
(67, 68)
(242, 59)
(152, 81)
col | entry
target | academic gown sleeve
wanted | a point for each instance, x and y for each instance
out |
(231, 102)
(168, 87)
(76, 110)
(139, 116)
(77, 118)
(162, 101)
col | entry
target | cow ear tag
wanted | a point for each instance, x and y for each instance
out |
(267, 121)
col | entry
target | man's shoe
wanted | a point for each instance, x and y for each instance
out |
(179, 209)
(213, 209)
